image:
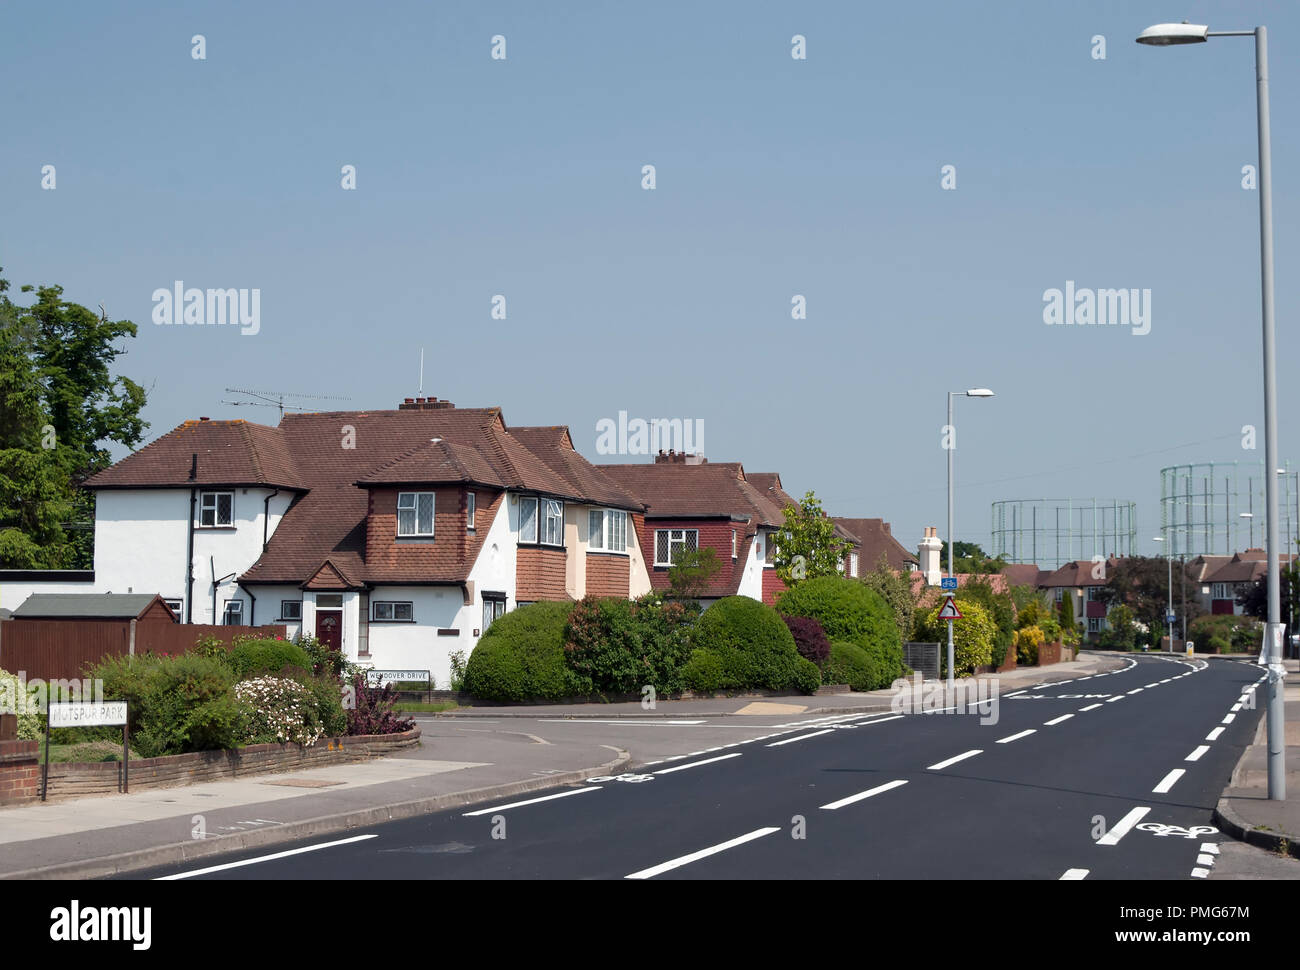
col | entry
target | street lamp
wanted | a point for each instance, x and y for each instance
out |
(952, 446)
(1169, 615)
(1162, 35)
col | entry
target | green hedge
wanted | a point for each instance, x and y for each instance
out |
(750, 645)
(850, 612)
(521, 657)
(255, 658)
(622, 646)
(850, 664)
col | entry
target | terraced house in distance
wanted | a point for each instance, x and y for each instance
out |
(396, 536)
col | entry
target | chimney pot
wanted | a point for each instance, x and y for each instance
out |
(203, 419)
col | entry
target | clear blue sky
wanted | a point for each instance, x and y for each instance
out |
(775, 177)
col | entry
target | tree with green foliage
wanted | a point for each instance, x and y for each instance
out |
(807, 546)
(1142, 584)
(895, 587)
(1001, 608)
(61, 406)
(691, 572)
(969, 559)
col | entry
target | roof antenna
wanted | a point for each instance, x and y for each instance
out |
(421, 392)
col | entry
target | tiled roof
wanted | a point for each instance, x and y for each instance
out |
(554, 446)
(876, 539)
(219, 452)
(1025, 574)
(708, 490)
(1079, 573)
(1244, 567)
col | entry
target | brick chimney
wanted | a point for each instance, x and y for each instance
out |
(424, 404)
(671, 457)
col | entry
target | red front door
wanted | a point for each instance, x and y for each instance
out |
(329, 628)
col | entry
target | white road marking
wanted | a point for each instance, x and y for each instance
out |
(952, 761)
(1123, 826)
(861, 795)
(696, 764)
(1235, 707)
(801, 737)
(1090, 707)
(657, 723)
(1072, 874)
(1137, 690)
(263, 858)
(1058, 720)
(1214, 735)
(1229, 719)
(532, 801)
(1168, 781)
(1156, 684)
(686, 860)
(1117, 697)
(1200, 873)
(1210, 847)
(1196, 755)
(882, 720)
(1205, 860)
(1017, 737)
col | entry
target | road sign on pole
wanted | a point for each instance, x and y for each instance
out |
(948, 582)
(949, 610)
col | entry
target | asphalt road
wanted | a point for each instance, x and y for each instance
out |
(1110, 776)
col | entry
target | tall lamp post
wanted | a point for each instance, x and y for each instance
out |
(1169, 614)
(1164, 35)
(951, 441)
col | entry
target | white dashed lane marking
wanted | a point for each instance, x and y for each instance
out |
(1168, 781)
(1017, 737)
(952, 761)
(696, 764)
(1074, 874)
(1058, 720)
(1196, 755)
(1123, 826)
(701, 854)
(832, 806)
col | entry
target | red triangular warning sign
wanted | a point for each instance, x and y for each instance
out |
(949, 610)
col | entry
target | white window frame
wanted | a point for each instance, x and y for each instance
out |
(770, 550)
(1219, 591)
(284, 616)
(1059, 593)
(470, 504)
(853, 565)
(1096, 624)
(176, 605)
(414, 508)
(494, 607)
(681, 540)
(603, 529)
(392, 610)
(550, 522)
(1094, 594)
(233, 608)
(529, 538)
(216, 504)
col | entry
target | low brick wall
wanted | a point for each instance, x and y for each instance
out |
(20, 776)
(1049, 653)
(68, 780)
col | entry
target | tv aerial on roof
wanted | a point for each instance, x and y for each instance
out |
(281, 399)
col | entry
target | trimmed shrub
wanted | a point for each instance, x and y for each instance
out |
(973, 636)
(809, 638)
(707, 671)
(807, 678)
(1222, 633)
(850, 664)
(849, 611)
(1028, 640)
(278, 709)
(257, 658)
(753, 643)
(521, 657)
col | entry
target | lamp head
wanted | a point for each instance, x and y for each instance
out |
(1168, 35)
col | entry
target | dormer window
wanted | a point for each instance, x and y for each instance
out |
(541, 521)
(415, 514)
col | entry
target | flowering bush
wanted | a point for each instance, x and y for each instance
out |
(279, 709)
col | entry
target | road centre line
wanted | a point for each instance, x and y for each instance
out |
(1117, 697)
(952, 761)
(532, 801)
(1071, 875)
(696, 764)
(1124, 826)
(1017, 737)
(1214, 735)
(832, 806)
(1090, 707)
(1229, 719)
(1169, 781)
(701, 854)
(263, 858)
(1058, 720)
(801, 737)
(1196, 755)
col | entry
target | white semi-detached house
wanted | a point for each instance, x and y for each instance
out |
(395, 536)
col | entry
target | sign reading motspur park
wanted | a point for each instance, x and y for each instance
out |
(87, 714)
